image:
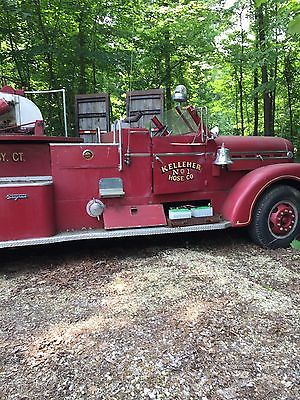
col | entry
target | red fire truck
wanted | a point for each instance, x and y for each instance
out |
(134, 180)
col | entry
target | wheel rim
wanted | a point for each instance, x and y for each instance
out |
(283, 219)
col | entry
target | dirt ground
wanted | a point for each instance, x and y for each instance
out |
(200, 316)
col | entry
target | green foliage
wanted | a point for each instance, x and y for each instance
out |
(114, 46)
(258, 3)
(294, 25)
(296, 244)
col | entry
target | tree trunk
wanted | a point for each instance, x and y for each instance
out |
(288, 78)
(255, 103)
(81, 56)
(267, 103)
(48, 45)
(264, 72)
(235, 77)
(14, 50)
(274, 78)
(240, 85)
(241, 77)
(168, 69)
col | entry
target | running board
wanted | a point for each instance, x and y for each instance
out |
(103, 234)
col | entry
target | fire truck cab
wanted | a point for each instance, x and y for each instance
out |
(169, 177)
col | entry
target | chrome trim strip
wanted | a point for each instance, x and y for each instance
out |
(188, 144)
(103, 234)
(85, 144)
(23, 184)
(180, 154)
(138, 154)
(258, 152)
(133, 131)
(258, 158)
(25, 179)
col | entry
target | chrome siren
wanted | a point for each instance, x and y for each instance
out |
(180, 94)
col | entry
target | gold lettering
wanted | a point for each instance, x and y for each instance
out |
(164, 169)
(17, 157)
(3, 157)
(176, 178)
(178, 167)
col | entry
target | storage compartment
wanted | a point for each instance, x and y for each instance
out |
(196, 209)
(202, 211)
(26, 210)
(179, 213)
(134, 216)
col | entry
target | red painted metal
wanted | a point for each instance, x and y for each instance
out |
(39, 128)
(134, 216)
(240, 201)
(27, 211)
(10, 90)
(4, 106)
(24, 159)
(179, 165)
(38, 139)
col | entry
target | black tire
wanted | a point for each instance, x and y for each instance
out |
(276, 217)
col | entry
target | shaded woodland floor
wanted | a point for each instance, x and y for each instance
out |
(209, 317)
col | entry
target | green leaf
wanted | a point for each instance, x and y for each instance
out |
(258, 3)
(296, 244)
(294, 25)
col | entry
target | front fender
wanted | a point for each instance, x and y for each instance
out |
(239, 204)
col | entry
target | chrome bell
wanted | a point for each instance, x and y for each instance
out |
(223, 156)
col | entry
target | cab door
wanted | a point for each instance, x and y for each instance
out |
(178, 164)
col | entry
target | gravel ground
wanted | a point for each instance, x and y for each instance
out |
(209, 317)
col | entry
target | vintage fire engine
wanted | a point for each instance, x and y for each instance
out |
(134, 180)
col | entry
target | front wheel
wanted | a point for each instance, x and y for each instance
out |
(276, 217)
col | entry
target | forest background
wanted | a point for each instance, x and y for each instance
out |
(239, 58)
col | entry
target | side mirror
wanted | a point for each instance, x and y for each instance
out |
(215, 132)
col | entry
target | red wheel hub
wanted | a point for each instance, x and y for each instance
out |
(282, 219)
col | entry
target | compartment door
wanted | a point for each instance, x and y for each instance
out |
(178, 165)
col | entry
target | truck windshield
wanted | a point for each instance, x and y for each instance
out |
(180, 122)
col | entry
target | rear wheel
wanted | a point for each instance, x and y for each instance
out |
(276, 217)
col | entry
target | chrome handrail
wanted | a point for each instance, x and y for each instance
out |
(117, 125)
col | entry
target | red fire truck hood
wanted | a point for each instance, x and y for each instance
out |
(254, 143)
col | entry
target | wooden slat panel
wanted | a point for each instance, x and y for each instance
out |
(150, 102)
(92, 111)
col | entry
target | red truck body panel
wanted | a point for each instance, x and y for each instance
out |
(240, 202)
